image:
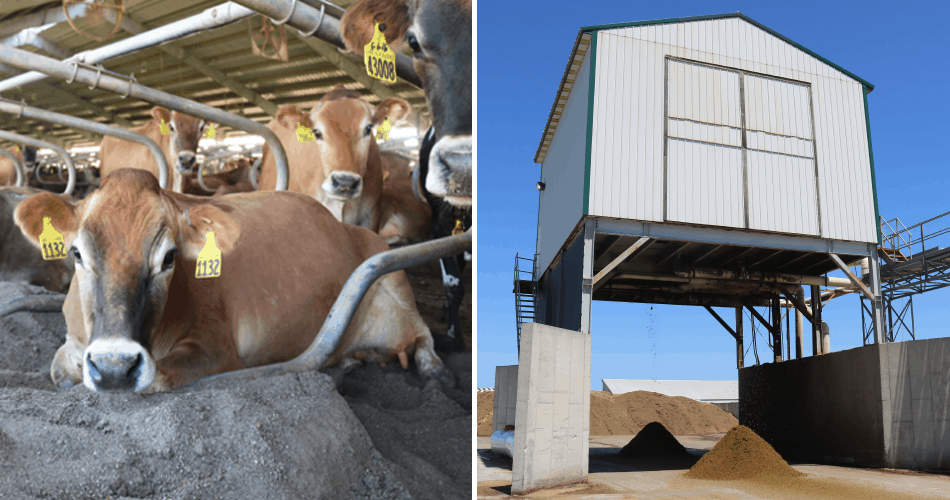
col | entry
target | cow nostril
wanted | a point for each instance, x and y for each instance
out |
(93, 369)
(136, 362)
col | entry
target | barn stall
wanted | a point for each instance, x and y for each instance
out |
(285, 436)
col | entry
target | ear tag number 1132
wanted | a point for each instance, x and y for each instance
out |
(380, 60)
(51, 241)
(209, 259)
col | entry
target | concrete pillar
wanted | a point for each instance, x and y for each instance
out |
(776, 330)
(506, 397)
(740, 344)
(816, 320)
(587, 283)
(552, 423)
(799, 348)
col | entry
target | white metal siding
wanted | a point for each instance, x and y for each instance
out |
(627, 161)
(562, 200)
(704, 146)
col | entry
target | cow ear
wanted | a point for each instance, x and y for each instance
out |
(195, 223)
(160, 113)
(289, 115)
(358, 24)
(30, 212)
(393, 108)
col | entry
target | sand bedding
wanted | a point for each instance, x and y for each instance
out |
(741, 454)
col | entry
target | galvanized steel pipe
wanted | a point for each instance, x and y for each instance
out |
(70, 72)
(71, 185)
(20, 109)
(306, 18)
(18, 166)
(214, 17)
(344, 308)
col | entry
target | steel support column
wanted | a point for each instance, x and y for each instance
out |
(587, 278)
(776, 330)
(799, 347)
(816, 320)
(740, 344)
(877, 305)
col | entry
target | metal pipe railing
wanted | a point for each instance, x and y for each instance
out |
(120, 84)
(344, 308)
(24, 139)
(311, 21)
(18, 166)
(20, 109)
(214, 17)
(305, 18)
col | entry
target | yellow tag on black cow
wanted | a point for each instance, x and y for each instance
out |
(380, 60)
(383, 131)
(209, 259)
(211, 132)
(51, 241)
(164, 128)
(304, 134)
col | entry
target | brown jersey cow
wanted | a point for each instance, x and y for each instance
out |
(139, 319)
(180, 146)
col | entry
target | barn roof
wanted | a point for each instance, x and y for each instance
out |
(214, 67)
(582, 44)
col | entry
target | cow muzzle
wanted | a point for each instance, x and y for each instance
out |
(450, 170)
(186, 162)
(117, 364)
(345, 185)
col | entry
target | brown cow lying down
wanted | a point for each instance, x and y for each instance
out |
(235, 180)
(180, 146)
(19, 259)
(342, 168)
(138, 318)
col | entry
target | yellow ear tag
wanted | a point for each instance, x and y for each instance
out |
(379, 59)
(164, 128)
(209, 259)
(383, 131)
(54, 247)
(304, 134)
(17, 149)
(458, 227)
(211, 132)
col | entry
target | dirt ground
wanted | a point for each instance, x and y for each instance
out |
(613, 476)
(384, 433)
(621, 414)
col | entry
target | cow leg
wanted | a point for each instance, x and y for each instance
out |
(66, 370)
(429, 363)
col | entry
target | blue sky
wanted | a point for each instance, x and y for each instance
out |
(523, 48)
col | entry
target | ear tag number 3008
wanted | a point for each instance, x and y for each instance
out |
(380, 60)
(209, 259)
(54, 247)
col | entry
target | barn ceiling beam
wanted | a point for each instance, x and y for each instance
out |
(79, 101)
(202, 67)
(52, 15)
(32, 37)
(352, 69)
(606, 272)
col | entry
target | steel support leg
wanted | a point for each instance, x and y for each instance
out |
(800, 296)
(776, 330)
(816, 323)
(877, 307)
(587, 282)
(740, 345)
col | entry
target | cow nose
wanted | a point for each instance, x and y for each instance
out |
(450, 170)
(117, 365)
(346, 184)
(186, 160)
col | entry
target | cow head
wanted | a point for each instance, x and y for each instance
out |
(127, 239)
(439, 32)
(344, 127)
(181, 145)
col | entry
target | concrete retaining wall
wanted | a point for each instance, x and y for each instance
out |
(552, 426)
(506, 397)
(879, 405)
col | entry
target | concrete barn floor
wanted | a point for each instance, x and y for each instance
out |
(612, 477)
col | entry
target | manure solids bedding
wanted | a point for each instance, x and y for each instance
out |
(385, 433)
(628, 413)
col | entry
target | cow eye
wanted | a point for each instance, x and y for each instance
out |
(318, 135)
(369, 130)
(169, 259)
(413, 44)
(171, 126)
(75, 253)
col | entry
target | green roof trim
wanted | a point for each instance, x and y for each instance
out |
(740, 15)
(590, 120)
(877, 214)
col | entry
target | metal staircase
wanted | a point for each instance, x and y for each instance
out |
(525, 291)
